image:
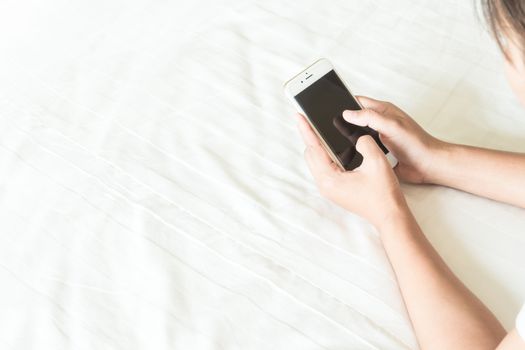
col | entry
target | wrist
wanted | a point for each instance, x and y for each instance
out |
(395, 223)
(439, 157)
(395, 209)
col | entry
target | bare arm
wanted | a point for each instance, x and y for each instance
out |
(488, 173)
(444, 313)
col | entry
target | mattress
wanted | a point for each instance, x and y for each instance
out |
(153, 193)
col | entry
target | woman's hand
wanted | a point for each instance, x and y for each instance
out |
(414, 148)
(371, 191)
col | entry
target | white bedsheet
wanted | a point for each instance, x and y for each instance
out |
(153, 193)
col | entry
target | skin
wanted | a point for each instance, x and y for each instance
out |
(444, 313)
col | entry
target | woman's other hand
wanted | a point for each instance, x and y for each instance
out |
(414, 148)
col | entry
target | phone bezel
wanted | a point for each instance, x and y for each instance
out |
(306, 78)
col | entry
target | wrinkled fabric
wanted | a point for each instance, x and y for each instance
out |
(153, 193)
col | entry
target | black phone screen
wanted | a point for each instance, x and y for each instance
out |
(324, 102)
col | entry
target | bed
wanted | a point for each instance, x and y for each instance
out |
(153, 193)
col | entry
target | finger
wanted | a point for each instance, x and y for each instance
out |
(320, 158)
(319, 162)
(308, 135)
(369, 149)
(316, 156)
(371, 118)
(370, 103)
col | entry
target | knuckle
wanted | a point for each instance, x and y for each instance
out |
(363, 140)
(378, 161)
(381, 163)
(396, 122)
(370, 113)
(368, 138)
(385, 106)
(371, 163)
(399, 121)
(367, 114)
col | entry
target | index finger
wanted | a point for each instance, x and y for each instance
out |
(375, 105)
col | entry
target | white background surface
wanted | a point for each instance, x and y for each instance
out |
(153, 193)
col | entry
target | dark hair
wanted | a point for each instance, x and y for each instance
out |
(505, 17)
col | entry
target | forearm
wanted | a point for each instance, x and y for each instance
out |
(444, 313)
(488, 173)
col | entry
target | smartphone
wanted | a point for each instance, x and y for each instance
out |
(321, 96)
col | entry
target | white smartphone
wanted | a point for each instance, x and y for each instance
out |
(321, 95)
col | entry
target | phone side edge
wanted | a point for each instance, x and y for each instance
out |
(392, 160)
(298, 108)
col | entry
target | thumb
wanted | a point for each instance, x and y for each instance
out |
(369, 149)
(369, 117)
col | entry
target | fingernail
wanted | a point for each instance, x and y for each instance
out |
(349, 115)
